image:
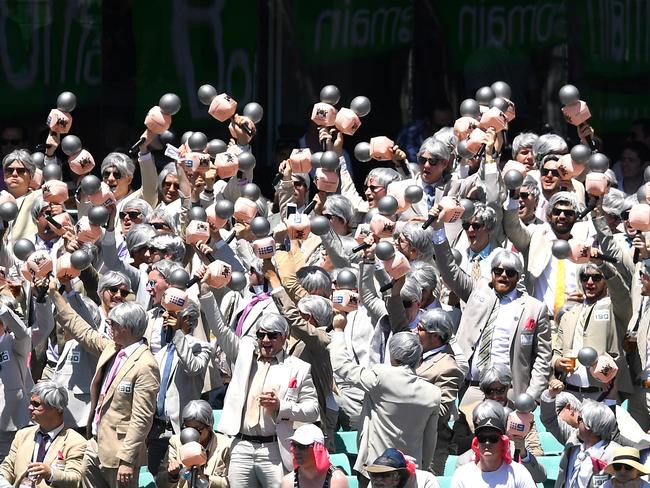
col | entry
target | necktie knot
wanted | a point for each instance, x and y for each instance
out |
(429, 190)
(121, 354)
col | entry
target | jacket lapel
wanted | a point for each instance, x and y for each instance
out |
(126, 367)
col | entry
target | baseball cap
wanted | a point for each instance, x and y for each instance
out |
(390, 460)
(308, 434)
(490, 423)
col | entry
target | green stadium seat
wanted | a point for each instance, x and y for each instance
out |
(341, 461)
(450, 465)
(217, 417)
(146, 478)
(550, 444)
(552, 466)
(346, 442)
(444, 481)
(353, 482)
(538, 420)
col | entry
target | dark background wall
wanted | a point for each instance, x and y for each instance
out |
(408, 56)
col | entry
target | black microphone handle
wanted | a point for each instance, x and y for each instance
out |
(636, 255)
(361, 247)
(584, 213)
(193, 281)
(276, 179)
(607, 258)
(404, 167)
(231, 236)
(136, 146)
(310, 206)
(384, 288)
(428, 222)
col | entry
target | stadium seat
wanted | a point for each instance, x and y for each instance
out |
(146, 478)
(538, 420)
(550, 444)
(552, 466)
(341, 461)
(444, 481)
(450, 465)
(353, 482)
(346, 442)
(217, 417)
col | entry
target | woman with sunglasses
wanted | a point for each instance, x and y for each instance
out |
(626, 470)
(311, 460)
(198, 415)
(605, 310)
(492, 463)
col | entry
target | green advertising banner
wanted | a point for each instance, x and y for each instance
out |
(47, 47)
(341, 30)
(189, 43)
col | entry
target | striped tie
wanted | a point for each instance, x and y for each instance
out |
(485, 347)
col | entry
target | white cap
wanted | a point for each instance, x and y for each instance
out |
(308, 434)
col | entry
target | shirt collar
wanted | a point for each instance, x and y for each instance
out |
(433, 352)
(510, 297)
(52, 433)
(485, 252)
(128, 350)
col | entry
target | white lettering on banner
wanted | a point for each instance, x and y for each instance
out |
(495, 26)
(361, 28)
(187, 18)
(84, 51)
(618, 30)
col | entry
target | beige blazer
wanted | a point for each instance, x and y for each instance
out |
(607, 321)
(64, 456)
(400, 409)
(218, 452)
(298, 403)
(530, 346)
(441, 370)
(130, 402)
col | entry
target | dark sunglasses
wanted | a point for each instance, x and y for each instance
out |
(169, 184)
(567, 213)
(271, 335)
(474, 225)
(431, 161)
(407, 303)
(158, 225)
(510, 273)
(495, 391)
(524, 195)
(488, 438)
(18, 171)
(554, 172)
(596, 278)
(298, 184)
(134, 214)
(625, 215)
(619, 466)
(107, 174)
(328, 216)
(115, 290)
(35, 404)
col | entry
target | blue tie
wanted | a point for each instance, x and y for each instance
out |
(428, 189)
(160, 403)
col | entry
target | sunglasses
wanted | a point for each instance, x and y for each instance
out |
(169, 184)
(596, 278)
(567, 213)
(510, 273)
(488, 438)
(115, 290)
(134, 214)
(495, 391)
(271, 335)
(524, 195)
(474, 225)
(625, 215)
(328, 216)
(107, 174)
(619, 466)
(407, 303)
(158, 225)
(554, 172)
(374, 188)
(18, 171)
(431, 161)
(35, 404)
(298, 184)
(113, 325)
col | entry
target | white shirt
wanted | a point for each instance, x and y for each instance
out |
(545, 284)
(51, 436)
(504, 327)
(513, 475)
(156, 332)
(432, 352)
(581, 459)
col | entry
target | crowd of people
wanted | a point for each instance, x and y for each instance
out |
(431, 314)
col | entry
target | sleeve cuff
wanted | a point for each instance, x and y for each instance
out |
(146, 157)
(545, 397)
(527, 458)
(511, 204)
(337, 336)
(276, 290)
(439, 236)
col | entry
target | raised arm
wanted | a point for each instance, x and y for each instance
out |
(542, 365)
(364, 378)
(66, 317)
(313, 337)
(192, 364)
(226, 338)
(368, 294)
(455, 278)
(514, 228)
(608, 245)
